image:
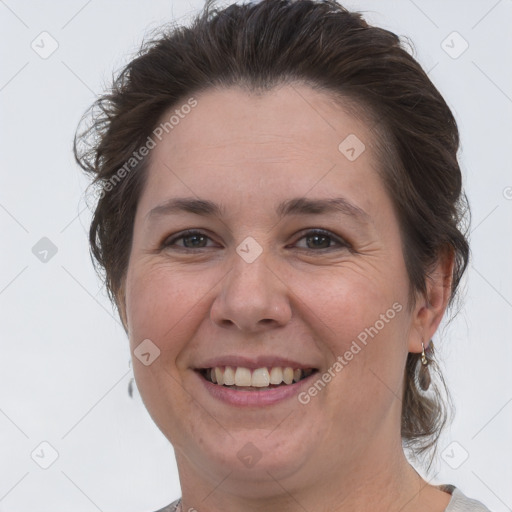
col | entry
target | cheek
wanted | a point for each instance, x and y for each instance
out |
(164, 305)
(347, 301)
(359, 315)
(147, 298)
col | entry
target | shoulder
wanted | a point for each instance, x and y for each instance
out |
(170, 508)
(461, 503)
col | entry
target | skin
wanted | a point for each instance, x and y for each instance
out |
(341, 451)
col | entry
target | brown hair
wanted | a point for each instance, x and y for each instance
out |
(259, 46)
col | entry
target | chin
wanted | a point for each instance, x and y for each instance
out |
(253, 456)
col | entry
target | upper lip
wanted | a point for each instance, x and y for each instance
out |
(253, 363)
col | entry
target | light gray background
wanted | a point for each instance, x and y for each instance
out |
(64, 359)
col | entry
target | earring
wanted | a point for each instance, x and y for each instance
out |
(424, 373)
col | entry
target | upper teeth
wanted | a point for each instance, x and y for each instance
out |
(260, 377)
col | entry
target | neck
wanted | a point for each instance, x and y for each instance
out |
(381, 480)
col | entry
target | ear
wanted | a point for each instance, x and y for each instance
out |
(430, 307)
(121, 305)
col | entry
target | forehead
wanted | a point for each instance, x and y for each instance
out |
(292, 138)
(295, 114)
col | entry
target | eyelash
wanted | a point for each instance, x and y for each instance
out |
(342, 244)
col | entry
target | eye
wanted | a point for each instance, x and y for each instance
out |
(316, 240)
(192, 239)
(320, 239)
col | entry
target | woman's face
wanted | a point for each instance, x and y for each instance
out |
(259, 288)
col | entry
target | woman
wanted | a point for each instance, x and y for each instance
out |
(279, 224)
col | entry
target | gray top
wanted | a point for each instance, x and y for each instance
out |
(459, 502)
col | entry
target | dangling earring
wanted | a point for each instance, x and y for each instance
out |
(424, 373)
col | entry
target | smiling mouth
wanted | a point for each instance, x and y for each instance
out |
(259, 379)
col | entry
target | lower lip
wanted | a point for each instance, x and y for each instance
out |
(253, 398)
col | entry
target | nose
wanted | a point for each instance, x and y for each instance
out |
(253, 297)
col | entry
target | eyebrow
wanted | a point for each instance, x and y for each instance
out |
(295, 206)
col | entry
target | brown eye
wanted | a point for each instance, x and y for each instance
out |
(319, 241)
(191, 240)
(322, 240)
